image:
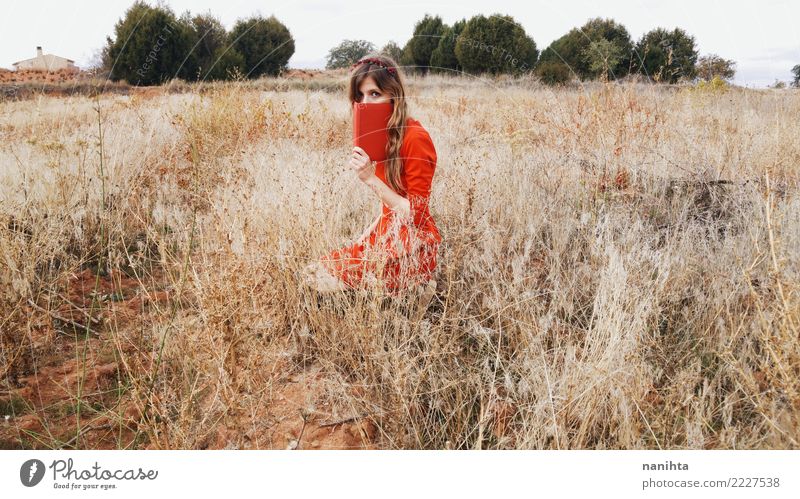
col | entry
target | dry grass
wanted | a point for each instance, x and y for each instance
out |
(619, 269)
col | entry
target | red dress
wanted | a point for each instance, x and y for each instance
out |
(399, 252)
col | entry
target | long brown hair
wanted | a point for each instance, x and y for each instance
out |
(388, 79)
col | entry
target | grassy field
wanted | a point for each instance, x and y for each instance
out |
(620, 269)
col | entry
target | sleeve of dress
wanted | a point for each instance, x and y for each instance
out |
(419, 163)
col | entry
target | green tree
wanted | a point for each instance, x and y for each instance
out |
(443, 57)
(347, 53)
(712, 65)
(601, 56)
(667, 55)
(495, 44)
(216, 60)
(796, 71)
(150, 46)
(427, 33)
(101, 63)
(266, 45)
(407, 59)
(571, 49)
(392, 50)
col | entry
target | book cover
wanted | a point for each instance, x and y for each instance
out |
(370, 122)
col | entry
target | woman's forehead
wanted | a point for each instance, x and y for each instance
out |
(367, 83)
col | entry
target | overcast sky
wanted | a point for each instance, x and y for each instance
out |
(763, 37)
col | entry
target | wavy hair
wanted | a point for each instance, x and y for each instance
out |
(386, 73)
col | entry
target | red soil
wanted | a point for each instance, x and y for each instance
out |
(303, 74)
(37, 76)
(51, 386)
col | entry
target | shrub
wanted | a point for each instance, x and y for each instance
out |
(553, 73)
(712, 66)
(667, 55)
(150, 46)
(495, 44)
(266, 45)
(715, 84)
(602, 56)
(427, 33)
(392, 50)
(216, 60)
(443, 58)
(575, 49)
(407, 59)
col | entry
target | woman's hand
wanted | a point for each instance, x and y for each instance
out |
(362, 165)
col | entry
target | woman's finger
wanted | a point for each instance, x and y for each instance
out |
(361, 152)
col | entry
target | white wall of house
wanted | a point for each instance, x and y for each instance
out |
(45, 62)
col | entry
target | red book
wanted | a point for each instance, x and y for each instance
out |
(370, 128)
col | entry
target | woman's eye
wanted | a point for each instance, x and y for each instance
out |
(376, 94)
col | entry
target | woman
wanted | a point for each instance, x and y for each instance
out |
(399, 248)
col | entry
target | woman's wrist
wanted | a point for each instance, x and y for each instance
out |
(372, 181)
(387, 196)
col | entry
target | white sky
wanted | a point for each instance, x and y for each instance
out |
(763, 37)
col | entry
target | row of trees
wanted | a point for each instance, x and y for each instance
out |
(152, 45)
(600, 49)
(493, 44)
